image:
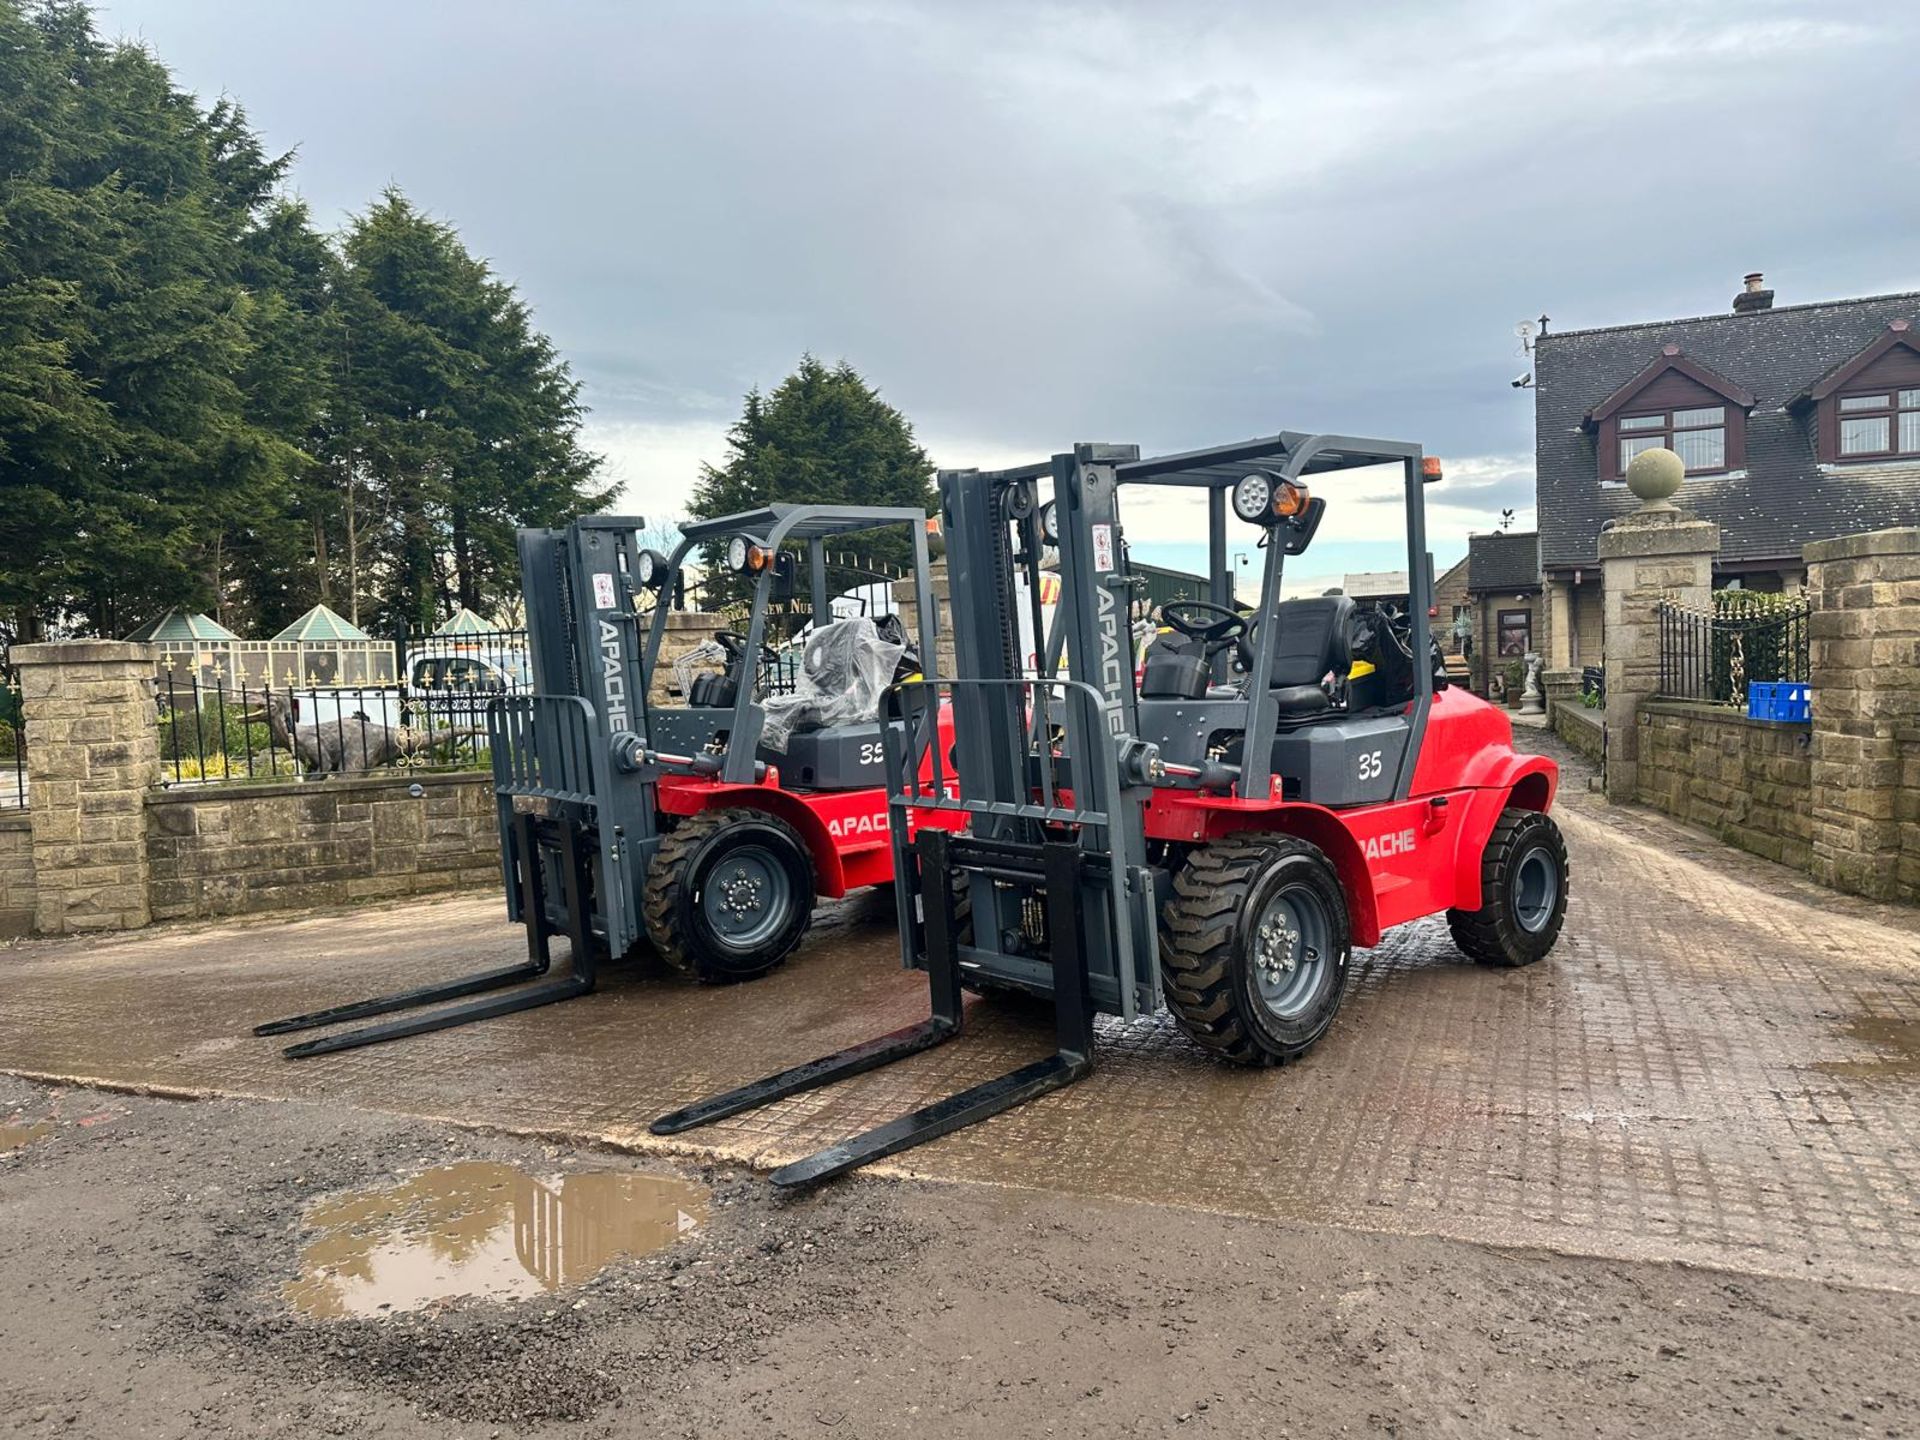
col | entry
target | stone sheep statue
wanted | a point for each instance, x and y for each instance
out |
(334, 747)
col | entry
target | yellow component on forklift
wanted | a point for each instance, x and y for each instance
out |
(1360, 668)
(913, 679)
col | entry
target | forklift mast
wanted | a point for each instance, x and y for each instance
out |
(1064, 731)
(557, 747)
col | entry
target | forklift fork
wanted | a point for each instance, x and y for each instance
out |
(1073, 1032)
(533, 912)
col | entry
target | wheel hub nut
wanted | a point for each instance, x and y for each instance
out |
(1275, 952)
(740, 893)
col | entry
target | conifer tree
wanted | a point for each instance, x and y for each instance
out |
(823, 436)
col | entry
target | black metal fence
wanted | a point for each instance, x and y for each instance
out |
(13, 743)
(211, 734)
(496, 661)
(1714, 655)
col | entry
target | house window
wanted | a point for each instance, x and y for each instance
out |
(1881, 422)
(1516, 632)
(1698, 436)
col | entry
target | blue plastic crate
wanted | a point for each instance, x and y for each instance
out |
(1779, 700)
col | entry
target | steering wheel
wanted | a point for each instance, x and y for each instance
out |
(1201, 620)
(735, 644)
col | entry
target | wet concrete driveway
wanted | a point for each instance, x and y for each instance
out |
(1719, 1064)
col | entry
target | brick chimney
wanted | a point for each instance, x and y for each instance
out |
(1753, 297)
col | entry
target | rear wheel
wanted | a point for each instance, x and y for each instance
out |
(729, 894)
(1254, 947)
(1523, 890)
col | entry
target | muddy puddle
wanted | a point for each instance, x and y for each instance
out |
(13, 1136)
(1896, 1044)
(482, 1230)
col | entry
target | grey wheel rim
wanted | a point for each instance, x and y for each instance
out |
(1291, 950)
(1536, 890)
(747, 897)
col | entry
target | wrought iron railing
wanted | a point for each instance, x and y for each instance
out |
(1714, 655)
(211, 734)
(13, 744)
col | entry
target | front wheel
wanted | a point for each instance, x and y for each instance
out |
(729, 894)
(1523, 893)
(1254, 947)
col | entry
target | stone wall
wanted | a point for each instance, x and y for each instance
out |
(1651, 555)
(686, 629)
(95, 751)
(238, 849)
(1864, 635)
(1838, 797)
(905, 601)
(1587, 640)
(1580, 728)
(1747, 781)
(16, 875)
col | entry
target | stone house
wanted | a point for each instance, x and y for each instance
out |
(1504, 596)
(1796, 424)
(1452, 615)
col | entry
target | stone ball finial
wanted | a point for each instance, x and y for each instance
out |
(1655, 476)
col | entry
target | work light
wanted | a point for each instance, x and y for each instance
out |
(1050, 523)
(651, 569)
(1252, 496)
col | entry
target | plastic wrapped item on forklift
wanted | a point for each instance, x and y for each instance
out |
(845, 669)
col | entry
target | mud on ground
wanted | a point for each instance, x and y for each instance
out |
(147, 1242)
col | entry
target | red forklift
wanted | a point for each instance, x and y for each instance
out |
(1211, 837)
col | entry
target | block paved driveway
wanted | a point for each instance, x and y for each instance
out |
(1719, 1064)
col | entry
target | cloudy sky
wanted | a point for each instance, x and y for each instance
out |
(1034, 223)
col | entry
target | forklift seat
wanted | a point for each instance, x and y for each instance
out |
(1311, 638)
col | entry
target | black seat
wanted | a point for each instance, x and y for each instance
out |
(1311, 638)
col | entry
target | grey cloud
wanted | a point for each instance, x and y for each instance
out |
(1032, 224)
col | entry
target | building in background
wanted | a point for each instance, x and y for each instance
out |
(1504, 592)
(1373, 587)
(1795, 424)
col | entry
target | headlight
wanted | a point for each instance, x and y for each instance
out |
(1050, 522)
(737, 551)
(651, 569)
(1252, 496)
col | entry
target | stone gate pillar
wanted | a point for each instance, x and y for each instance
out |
(1864, 638)
(93, 751)
(1651, 555)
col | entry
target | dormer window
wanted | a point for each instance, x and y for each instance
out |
(1698, 436)
(1868, 408)
(1675, 404)
(1886, 423)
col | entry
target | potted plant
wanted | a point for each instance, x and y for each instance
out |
(1515, 675)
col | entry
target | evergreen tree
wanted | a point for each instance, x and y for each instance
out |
(464, 421)
(129, 443)
(205, 402)
(823, 436)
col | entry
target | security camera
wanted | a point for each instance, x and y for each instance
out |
(1522, 382)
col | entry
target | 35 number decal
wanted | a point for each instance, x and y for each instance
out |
(871, 753)
(1370, 765)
